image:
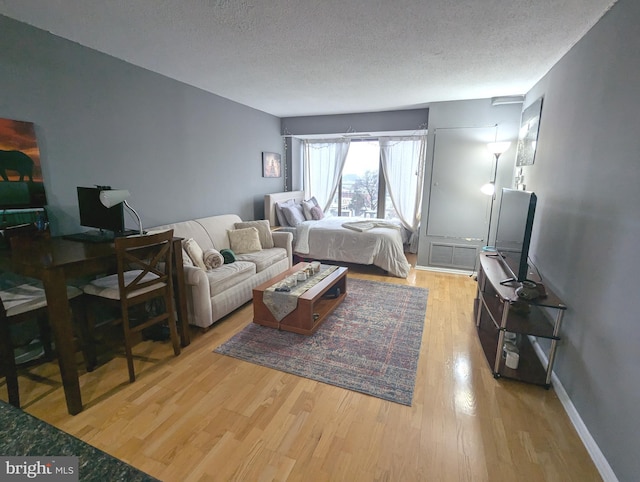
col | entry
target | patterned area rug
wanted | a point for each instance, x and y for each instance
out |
(370, 344)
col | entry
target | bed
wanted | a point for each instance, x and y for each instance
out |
(344, 239)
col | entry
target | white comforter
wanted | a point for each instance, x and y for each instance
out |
(328, 239)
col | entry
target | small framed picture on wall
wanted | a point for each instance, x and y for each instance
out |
(271, 165)
(528, 137)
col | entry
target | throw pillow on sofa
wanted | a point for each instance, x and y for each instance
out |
(228, 255)
(244, 240)
(264, 231)
(195, 252)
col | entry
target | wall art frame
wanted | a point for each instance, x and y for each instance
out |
(21, 182)
(271, 164)
(528, 135)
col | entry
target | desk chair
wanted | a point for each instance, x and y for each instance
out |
(144, 273)
(20, 303)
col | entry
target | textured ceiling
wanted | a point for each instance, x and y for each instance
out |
(310, 57)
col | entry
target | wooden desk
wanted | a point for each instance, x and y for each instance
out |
(56, 260)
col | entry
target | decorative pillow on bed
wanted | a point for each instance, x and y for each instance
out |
(317, 213)
(195, 252)
(264, 231)
(294, 214)
(244, 240)
(282, 219)
(307, 205)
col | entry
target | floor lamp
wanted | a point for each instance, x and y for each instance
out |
(496, 148)
(113, 197)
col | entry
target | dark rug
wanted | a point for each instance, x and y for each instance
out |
(370, 344)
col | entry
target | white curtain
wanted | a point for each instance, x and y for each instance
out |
(403, 161)
(323, 164)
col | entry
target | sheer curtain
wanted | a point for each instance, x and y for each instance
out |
(323, 163)
(403, 161)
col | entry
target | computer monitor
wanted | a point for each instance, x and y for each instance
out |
(94, 214)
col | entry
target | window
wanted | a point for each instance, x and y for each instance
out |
(375, 178)
(362, 184)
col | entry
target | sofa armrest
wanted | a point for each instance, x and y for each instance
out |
(194, 276)
(283, 239)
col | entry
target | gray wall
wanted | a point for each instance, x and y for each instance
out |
(182, 152)
(587, 228)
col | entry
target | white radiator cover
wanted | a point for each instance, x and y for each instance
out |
(451, 255)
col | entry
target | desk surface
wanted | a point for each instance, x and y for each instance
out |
(25, 435)
(49, 253)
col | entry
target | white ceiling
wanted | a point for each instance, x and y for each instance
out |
(311, 57)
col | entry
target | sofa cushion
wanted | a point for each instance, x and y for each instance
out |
(244, 240)
(229, 275)
(265, 258)
(264, 231)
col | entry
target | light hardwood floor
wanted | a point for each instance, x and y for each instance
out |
(207, 417)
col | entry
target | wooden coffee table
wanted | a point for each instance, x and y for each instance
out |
(313, 306)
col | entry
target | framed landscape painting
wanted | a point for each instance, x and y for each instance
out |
(271, 166)
(21, 183)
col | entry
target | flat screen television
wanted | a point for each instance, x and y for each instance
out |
(94, 214)
(513, 231)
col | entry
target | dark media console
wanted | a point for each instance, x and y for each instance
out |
(505, 320)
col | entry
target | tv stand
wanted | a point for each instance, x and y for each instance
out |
(499, 311)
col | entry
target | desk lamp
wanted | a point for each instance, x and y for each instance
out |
(112, 197)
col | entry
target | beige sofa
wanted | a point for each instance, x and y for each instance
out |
(214, 293)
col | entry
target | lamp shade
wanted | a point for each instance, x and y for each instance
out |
(114, 196)
(489, 189)
(498, 148)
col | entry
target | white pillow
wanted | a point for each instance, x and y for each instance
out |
(244, 240)
(186, 259)
(282, 220)
(306, 207)
(195, 252)
(294, 214)
(264, 231)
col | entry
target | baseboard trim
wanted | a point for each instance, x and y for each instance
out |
(445, 270)
(601, 463)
